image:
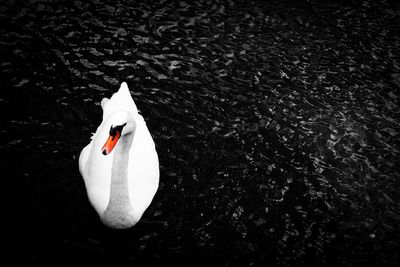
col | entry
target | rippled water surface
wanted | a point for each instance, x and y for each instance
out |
(277, 127)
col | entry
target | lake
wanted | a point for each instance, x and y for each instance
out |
(276, 123)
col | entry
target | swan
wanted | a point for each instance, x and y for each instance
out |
(120, 165)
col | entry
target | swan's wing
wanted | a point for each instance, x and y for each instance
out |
(104, 102)
(83, 158)
(143, 168)
(121, 100)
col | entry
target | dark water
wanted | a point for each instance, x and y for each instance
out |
(276, 123)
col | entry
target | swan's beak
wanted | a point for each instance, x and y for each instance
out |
(110, 143)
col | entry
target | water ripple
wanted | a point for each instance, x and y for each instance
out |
(276, 124)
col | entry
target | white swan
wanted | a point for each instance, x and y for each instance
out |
(120, 165)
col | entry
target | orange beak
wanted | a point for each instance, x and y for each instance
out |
(110, 143)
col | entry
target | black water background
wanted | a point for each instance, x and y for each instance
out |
(276, 125)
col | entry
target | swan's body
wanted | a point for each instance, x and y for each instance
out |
(120, 165)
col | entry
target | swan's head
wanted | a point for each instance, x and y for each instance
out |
(122, 123)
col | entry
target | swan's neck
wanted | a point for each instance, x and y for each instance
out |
(119, 210)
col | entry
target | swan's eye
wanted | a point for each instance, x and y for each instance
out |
(115, 129)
